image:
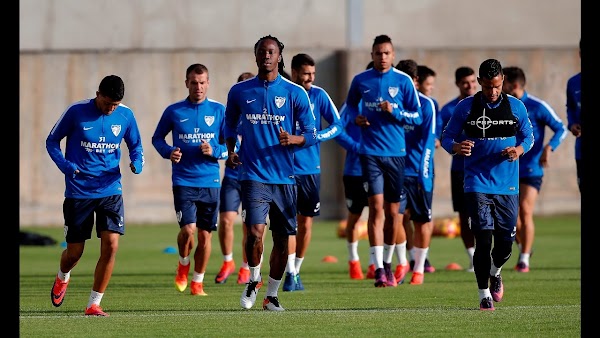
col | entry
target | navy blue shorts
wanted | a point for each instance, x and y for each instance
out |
(417, 200)
(277, 201)
(355, 191)
(457, 185)
(309, 202)
(197, 205)
(534, 181)
(384, 175)
(231, 191)
(79, 217)
(493, 212)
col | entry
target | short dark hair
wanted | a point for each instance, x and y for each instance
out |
(112, 87)
(302, 59)
(462, 72)
(514, 74)
(423, 72)
(245, 76)
(489, 69)
(196, 68)
(409, 67)
(379, 39)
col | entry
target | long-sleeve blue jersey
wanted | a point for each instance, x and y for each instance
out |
(307, 161)
(263, 107)
(420, 145)
(458, 162)
(541, 116)
(487, 170)
(349, 139)
(189, 124)
(385, 134)
(574, 108)
(93, 147)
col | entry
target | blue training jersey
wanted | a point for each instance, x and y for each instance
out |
(190, 124)
(263, 107)
(458, 162)
(385, 134)
(541, 116)
(307, 160)
(93, 147)
(486, 170)
(574, 108)
(420, 145)
(350, 140)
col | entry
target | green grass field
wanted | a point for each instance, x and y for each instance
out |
(142, 301)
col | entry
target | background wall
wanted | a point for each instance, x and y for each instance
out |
(68, 46)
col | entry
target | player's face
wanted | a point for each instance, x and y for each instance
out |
(106, 104)
(491, 88)
(267, 56)
(426, 87)
(304, 76)
(467, 86)
(383, 56)
(197, 85)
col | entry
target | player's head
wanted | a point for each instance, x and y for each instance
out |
(369, 65)
(245, 76)
(410, 67)
(110, 93)
(268, 52)
(491, 79)
(466, 81)
(197, 82)
(303, 70)
(382, 53)
(425, 80)
(514, 81)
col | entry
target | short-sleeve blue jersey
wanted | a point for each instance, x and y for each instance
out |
(574, 108)
(541, 116)
(420, 145)
(487, 170)
(349, 139)
(263, 107)
(385, 134)
(458, 162)
(93, 147)
(189, 124)
(307, 161)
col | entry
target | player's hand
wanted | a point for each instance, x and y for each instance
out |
(362, 121)
(512, 153)
(233, 160)
(132, 167)
(576, 130)
(463, 148)
(176, 155)
(386, 106)
(206, 148)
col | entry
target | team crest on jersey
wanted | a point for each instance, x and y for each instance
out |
(279, 101)
(116, 129)
(209, 120)
(393, 91)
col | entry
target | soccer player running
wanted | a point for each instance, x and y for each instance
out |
(266, 109)
(425, 84)
(196, 124)
(574, 117)
(496, 131)
(532, 164)
(466, 81)
(389, 100)
(355, 190)
(418, 181)
(307, 166)
(94, 129)
(228, 211)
